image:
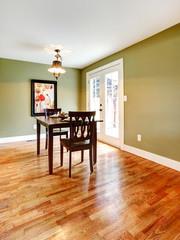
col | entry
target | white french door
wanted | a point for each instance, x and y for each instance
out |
(105, 96)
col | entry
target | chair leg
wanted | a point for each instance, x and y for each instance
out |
(70, 163)
(46, 143)
(82, 155)
(67, 137)
(61, 155)
(90, 160)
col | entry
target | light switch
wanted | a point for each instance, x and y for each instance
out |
(125, 98)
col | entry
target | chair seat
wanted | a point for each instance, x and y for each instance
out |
(67, 143)
(56, 132)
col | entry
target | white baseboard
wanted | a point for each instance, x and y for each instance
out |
(109, 143)
(20, 138)
(148, 155)
(153, 157)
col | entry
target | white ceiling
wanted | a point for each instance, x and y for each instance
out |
(87, 30)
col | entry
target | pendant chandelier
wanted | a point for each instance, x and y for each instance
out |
(56, 69)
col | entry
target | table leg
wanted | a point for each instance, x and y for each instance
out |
(38, 137)
(95, 143)
(50, 149)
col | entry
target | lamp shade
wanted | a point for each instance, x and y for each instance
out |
(56, 69)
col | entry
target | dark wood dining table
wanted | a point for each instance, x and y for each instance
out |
(55, 123)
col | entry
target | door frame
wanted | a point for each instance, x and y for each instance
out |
(118, 63)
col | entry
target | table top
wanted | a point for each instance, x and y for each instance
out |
(58, 122)
(48, 121)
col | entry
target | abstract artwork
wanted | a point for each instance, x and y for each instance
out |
(43, 95)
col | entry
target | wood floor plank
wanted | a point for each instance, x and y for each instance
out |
(127, 197)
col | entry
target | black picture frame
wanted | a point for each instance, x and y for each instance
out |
(43, 94)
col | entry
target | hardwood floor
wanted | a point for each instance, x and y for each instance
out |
(127, 197)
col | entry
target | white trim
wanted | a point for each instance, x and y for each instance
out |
(122, 106)
(104, 67)
(20, 138)
(109, 143)
(139, 152)
(87, 91)
(153, 157)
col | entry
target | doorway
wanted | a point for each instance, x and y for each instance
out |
(105, 90)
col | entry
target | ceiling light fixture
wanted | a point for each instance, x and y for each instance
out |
(56, 69)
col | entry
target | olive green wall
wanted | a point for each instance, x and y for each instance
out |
(152, 84)
(15, 94)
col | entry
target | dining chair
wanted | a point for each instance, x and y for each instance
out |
(57, 132)
(81, 136)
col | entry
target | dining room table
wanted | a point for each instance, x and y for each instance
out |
(57, 123)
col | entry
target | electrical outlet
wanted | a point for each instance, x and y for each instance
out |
(34, 126)
(139, 137)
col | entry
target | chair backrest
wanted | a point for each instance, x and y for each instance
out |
(49, 111)
(81, 125)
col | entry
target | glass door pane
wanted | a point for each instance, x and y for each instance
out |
(105, 96)
(111, 105)
(95, 98)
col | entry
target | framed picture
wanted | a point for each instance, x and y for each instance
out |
(43, 95)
